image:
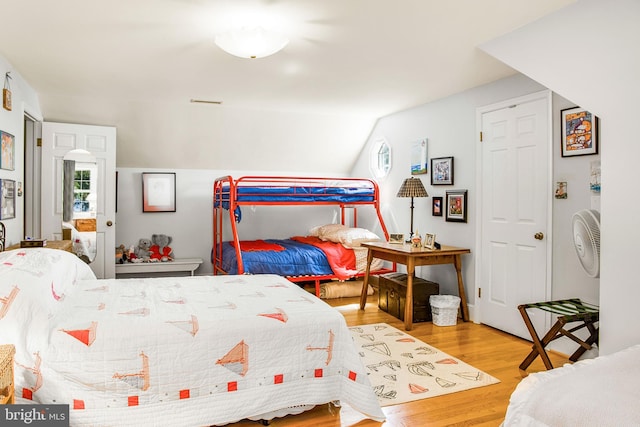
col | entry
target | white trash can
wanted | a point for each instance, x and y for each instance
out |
(444, 309)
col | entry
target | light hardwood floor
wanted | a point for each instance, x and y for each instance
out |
(490, 350)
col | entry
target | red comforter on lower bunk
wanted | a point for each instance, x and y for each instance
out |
(341, 259)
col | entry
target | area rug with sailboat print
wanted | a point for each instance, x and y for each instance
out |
(402, 368)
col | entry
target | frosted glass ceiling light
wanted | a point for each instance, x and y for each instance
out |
(251, 42)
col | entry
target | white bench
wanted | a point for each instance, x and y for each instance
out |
(151, 268)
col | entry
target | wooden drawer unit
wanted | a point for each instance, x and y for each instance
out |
(7, 393)
(393, 292)
(88, 224)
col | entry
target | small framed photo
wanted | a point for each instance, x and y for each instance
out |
(430, 241)
(7, 151)
(442, 171)
(579, 132)
(561, 190)
(396, 238)
(436, 206)
(158, 192)
(7, 199)
(456, 206)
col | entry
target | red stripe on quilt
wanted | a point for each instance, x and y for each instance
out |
(259, 245)
(185, 394)
(133, 401)
(278, 379)
(78, 404)
(318, 373)
(232, 386)
(352, 375)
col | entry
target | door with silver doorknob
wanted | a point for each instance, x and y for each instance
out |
(100, 141)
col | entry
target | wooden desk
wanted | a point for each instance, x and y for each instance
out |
(63, 245)
(412, 258)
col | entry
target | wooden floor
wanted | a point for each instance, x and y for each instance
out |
(490, 350)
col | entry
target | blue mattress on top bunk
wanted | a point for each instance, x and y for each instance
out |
(293, 194)
(306, 194)
(297, 259)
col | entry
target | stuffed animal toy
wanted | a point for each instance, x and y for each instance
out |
(160, 250)
(141, 252)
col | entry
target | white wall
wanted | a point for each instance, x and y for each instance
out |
(568, 277)
(196, 136)
(587, 52)
(450, 127)
(24, 99)
(192, 223)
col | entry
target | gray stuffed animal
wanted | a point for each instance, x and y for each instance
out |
(141, 252)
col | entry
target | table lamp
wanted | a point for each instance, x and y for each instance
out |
(412, 187)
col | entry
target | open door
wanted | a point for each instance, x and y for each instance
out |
(58, 139)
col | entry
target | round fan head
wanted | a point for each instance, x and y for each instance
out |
(586, 240)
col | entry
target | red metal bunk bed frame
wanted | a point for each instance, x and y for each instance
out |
(227, 186)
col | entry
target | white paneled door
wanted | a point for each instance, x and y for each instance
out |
(57, 140)
(515, 207)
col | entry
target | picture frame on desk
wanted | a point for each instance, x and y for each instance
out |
(396, 238)
(429, 241)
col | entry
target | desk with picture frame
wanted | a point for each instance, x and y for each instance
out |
(413, 257)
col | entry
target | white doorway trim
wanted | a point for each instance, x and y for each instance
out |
(476, 314)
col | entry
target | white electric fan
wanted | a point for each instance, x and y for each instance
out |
(586, 240)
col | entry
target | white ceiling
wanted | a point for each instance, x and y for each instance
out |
(362, 57)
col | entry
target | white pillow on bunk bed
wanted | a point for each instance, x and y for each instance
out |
(347, 236)
(320, 230)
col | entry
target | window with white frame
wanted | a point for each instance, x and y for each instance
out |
(380, 162)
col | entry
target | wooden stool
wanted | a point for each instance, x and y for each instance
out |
(568, 311)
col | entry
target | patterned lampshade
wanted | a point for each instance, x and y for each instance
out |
(412, 187)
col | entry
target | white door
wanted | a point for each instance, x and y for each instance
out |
(515, 211)
(100, 141)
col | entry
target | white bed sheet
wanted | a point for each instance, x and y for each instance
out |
(187, 351)
(599, 392)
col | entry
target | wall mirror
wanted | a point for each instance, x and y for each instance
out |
(80, 175)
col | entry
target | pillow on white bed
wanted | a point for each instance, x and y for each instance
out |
(350, 237)
(44, 274)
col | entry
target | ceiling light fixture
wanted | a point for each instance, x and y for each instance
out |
(251, 42)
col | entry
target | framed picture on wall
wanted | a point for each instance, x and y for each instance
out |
(579, 132)
(7, 151)
(436, 206)
(456, 206)
(7, 199)
(419, 158)
(442, 171)
(158, 192)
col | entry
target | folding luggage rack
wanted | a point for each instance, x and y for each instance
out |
(568, 311)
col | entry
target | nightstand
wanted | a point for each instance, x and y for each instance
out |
(7, 393)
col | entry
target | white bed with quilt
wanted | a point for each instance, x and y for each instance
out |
(180, 351)
(599, 392)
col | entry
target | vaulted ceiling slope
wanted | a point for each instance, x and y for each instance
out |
(347, 58)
